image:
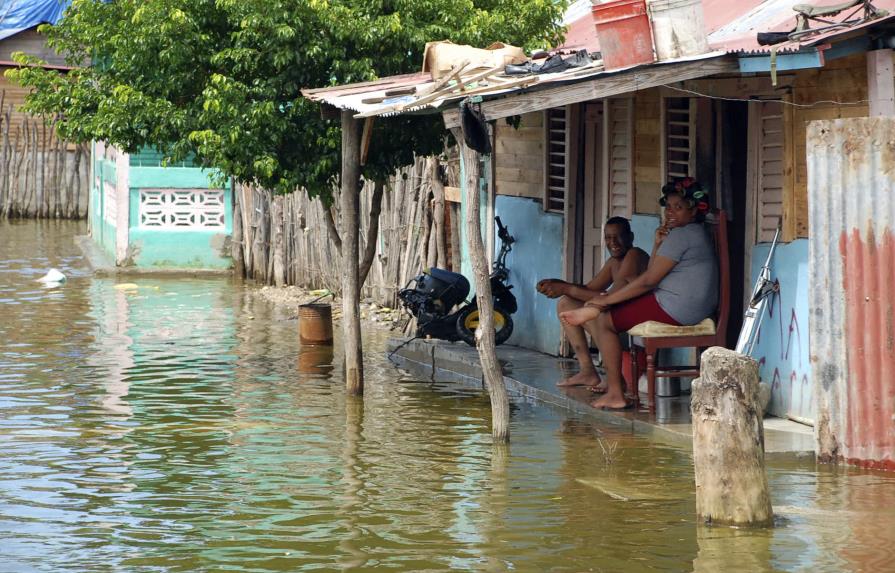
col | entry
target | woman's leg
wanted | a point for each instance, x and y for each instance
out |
(587, 375)
(611, 350)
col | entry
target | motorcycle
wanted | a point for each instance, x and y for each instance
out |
(437, 291)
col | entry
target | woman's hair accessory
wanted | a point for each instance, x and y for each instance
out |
(690, 189)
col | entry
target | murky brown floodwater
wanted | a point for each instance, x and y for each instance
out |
(179, 426)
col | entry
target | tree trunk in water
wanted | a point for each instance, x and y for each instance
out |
(350, 195)
(728, 441)
(372, 232)
(484, 336)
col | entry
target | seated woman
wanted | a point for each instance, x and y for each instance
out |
(679, 287)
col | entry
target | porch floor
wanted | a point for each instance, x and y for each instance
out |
(533, 375)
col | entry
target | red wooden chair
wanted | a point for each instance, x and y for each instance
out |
(649, 337)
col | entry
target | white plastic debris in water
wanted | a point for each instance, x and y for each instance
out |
(53, 278)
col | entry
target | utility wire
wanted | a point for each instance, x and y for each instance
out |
(784, 102)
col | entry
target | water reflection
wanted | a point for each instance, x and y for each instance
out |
(178, 425)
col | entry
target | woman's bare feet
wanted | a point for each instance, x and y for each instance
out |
(612, 401)
(579, 316)
(580, 379)
(600, 388)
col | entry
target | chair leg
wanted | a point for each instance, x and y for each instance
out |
(651, 380)
(635, 376)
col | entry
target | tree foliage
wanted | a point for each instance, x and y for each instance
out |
(220, 80)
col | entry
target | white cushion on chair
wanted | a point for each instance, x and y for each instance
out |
(654, 329)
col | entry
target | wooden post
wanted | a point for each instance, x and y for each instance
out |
(350, 219)
(728, 441)
(880, 86)
(437, 212)
(484, 335)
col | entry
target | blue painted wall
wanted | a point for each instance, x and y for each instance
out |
(644, 228)
(782, 348)
(536, 254)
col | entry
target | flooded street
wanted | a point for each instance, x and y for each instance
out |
(177, 425)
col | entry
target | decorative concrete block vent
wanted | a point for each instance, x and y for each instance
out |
(198, 209)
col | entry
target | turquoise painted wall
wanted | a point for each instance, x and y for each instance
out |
(782, 348)
(102, 231)
(536, 254)
(168, 248)
(174, 248)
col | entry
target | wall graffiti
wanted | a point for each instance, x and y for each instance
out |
(782, 343)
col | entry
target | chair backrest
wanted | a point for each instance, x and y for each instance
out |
(718, 225)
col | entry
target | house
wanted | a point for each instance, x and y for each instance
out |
(584, 145)
(57, 186)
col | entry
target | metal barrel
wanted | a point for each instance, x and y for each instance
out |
(315, 324)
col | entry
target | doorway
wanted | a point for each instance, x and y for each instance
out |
(732, 180)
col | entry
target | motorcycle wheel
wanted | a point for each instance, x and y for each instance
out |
(468, 321)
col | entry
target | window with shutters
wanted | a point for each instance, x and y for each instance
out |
(771, 169)
(619, 151)
(680, 137)
(555, 159)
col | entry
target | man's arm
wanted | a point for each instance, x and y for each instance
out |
(554, 288)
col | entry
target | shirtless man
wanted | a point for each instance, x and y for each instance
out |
(625, 263)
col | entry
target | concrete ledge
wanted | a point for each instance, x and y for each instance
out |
(530, 375)
(103, 265)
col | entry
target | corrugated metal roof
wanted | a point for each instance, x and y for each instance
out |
(739, 35)
(731, 26)
(361, 97)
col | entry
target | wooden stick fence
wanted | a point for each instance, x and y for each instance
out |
(41, 176)
(283, 239)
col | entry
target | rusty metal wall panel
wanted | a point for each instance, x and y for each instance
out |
(851, 193)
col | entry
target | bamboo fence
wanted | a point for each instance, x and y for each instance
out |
(41, 176)
(283, 239)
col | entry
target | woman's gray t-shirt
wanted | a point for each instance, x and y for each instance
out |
(689, 292)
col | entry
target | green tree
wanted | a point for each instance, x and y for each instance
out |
(220, 80)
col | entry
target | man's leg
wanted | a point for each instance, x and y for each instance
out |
(587, 375)
(611, 350)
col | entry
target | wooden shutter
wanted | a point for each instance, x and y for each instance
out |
(680, 137)
(555, 159)
(771, 169)
(619, 157)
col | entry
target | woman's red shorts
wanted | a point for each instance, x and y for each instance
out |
(630, 313)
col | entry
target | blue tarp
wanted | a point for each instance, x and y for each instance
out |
(19, 15)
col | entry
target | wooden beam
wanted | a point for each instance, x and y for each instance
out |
(601, 86)
(365, 140)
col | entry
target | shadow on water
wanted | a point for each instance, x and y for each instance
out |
(178, 425)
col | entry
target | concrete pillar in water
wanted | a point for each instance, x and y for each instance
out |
(728, 441)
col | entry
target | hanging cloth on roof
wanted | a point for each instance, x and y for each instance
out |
(474, 127)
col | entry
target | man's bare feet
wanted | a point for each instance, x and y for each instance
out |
(580, 379)
(579, 316)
